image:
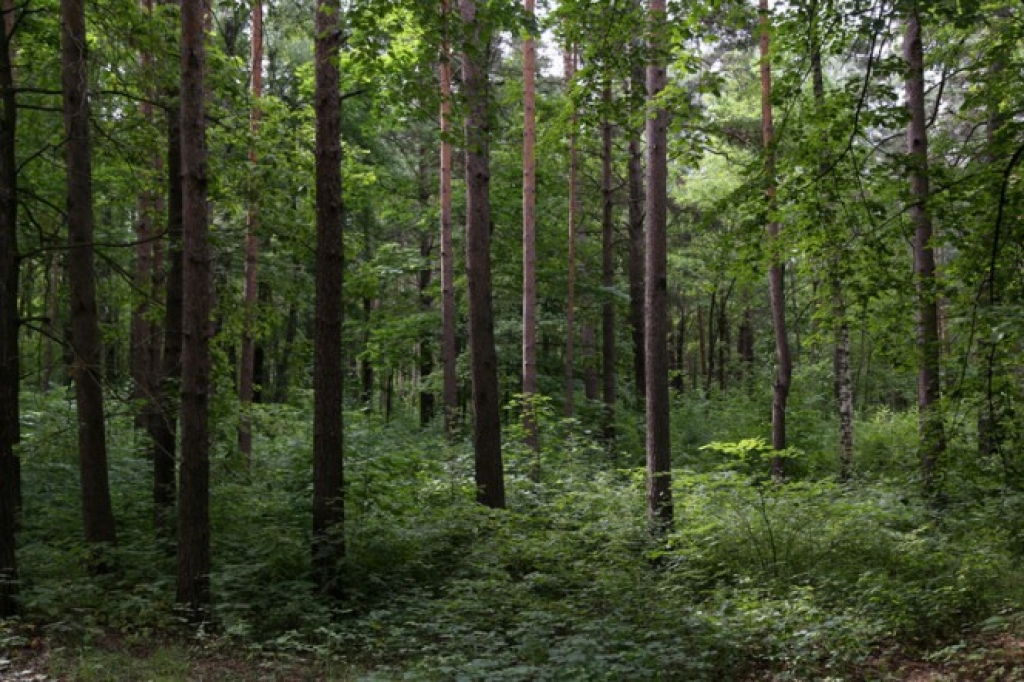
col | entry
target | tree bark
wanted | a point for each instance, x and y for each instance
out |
(247, 362)
(933, 441)
(10, 366)
(776, 271)
(636, 266)
(197, 292)
(608, 356)
(97, 513)
(529, 236)
(425, 350)
(449, 346)
(328, 367)
(490, 481)
(570, 305)
(659, 462)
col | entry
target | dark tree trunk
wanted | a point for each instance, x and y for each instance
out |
(608, 357)
(10, 367)
(426, 351)
(776, 273)
(282, 367)
(328, 363)
(490, 481)
(449, 345)
(197, 294)
(636, 265)
(570, 305)
(933, 440)
(529, 237)
(365, 366)
(659, 462)
(97, 513)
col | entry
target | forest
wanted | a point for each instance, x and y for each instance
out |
(511, 340)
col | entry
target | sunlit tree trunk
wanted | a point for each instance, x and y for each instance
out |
(529, 236)
(776, 271)
(328, 367)
(449, 347)
(197, 278)
(490, 482)
(659, 462)
(933, 440)
(247, 362)
(97, 513)
(10, 367)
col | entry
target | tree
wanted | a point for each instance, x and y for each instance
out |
(449, 349)
(328, 370)
(529, 233)
(574, 207)
(197, 291)
(608, 355)
(933, 440)
(10, 365)
(490, 481)
(776, 270)
(97, 512)
(659, 462)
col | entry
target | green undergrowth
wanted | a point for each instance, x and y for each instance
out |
(807, 579)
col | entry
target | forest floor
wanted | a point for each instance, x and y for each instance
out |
(27, 656)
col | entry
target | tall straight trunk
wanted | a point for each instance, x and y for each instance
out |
(247, 368)
(636, 264)
(570, 305)
(449, 345)
(425, 350)
(659, 462)
(933, 440)
(776, 271)
(164, 425)
(328, 361)
(490, 481)
(608, 357)
(529, 236)
(97, 513)
(197, 293)
(10, 366)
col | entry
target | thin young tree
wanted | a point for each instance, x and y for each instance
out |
(328, 374)
(608, 355)
(776, 269)
(97, 512)
(530, 233)
(569, 67)
(10, 366)
(933, 440)
(490, 481)
(449, 348)
(194, 482)
(659, 462)
(247, 361)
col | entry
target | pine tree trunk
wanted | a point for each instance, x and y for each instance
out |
(425, 350)
(659, 463)
(529, 237)
(449, 346)
(608, 356)
(570, 305)
(197, 293)
(97, 513)
(328, 366)
(490, 481)
(933, 441)
(10, 366)
(247, 367)
(636, 263)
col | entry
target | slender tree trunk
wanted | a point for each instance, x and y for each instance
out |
(449, 345)
(247, 368)
(490, 482)
(636, 267)
(97, 513)
(426, 352)
(282, 367)
(10, 366)
(328, 366)
(529, 237)
(570, 311)
(197, 294)
(659, 462)
(608, 356)
(776, 272)
(933, 440)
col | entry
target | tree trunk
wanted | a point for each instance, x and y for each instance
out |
(449, 346)
(570, 305)
(933, 440)
(10, 366)
(608, 358)
(197, 292)
(97, 513)
(328, 367)
(659, 462)
(636, 264)
(247, 367)
(490, 482)
(426, 353)
(776, 272)
(529, 237)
